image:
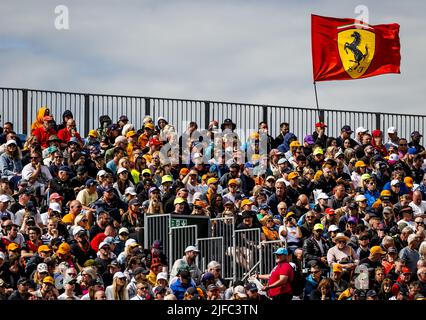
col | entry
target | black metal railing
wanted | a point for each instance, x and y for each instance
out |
(20, 106)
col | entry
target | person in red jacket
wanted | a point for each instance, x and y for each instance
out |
(69, 132)
(43, 133)
(377, 142)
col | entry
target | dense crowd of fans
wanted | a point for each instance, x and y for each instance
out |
(350, 210)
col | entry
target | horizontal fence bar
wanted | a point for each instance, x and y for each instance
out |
(20, 106)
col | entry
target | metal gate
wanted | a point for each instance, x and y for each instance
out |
(156, 227)
(224, 227)
(266, 254)
(246, 253)
(211, 249)
(179, 239)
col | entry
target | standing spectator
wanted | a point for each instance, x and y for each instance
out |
(280, 278)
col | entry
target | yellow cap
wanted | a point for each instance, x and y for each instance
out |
(93, 133)
(130, 134)
(359, 164)
(294, 144)
(337, 268)
(292, 175)
(232, 181)
(289, 214)
(212, 180)
(377, 249)
(318, 151)
(149, 125)
(48, 279)
(179, 200)
(148, 171)
(254, 135)
(245, 202)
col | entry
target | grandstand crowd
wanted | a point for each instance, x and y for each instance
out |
(350, 209)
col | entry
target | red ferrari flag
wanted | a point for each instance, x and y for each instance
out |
(343, 49)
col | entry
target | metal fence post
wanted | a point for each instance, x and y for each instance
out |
(265, 114)
(147, 106)
(207, 114)
(86, 114)
(25, 111)
(321, 115)
(378, 121)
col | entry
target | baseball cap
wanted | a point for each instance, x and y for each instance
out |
(122, 170)
(42, 267)
(309, 139)
(318, 226)
(323, 195)
(292, 175)
(251, 286)
(395, 182)
(416, 134)
(337, 268)
(365, 176)
(281, 251)
(77, 230)
(55, 206)
(353, 220)
(333, 228)
(101, 173)
(134, 202)
(9, 142)
(360, 197)
(140, 270)
(330, 211)
(245, 202)
(377, 249)
(232, 181)
(131, 191)
(56, 196)
(347, 129)
(91, 183)
(4, 198)
(102, 244)
(162, 275)
(408, 182)
(318, 151)
(294, 144)
(166, 178)
(179, 200)
(49, 280)
(392, 130)
(371, 293)
(146, 171)
(359, 164)
(361, 130)
(282, 160)
(12, 246)
(191, 248)
(123, 230)
(207, 276)
(119, 275)
(320, 125)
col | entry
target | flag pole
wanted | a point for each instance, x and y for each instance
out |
(316, 99)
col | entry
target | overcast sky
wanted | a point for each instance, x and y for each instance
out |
(230, 50)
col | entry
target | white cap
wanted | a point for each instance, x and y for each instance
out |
(393, 157)
(55, 206)
(119, 274)
(2, 256)
(191, 248)
(131, 191)
(130, 242)
(101, 173)
(10, 142)
(42, 267)
(339, 153)
(361, 129)
(360, 197)
(77, 230)
(197, 196)
(122, 170)
(123, 230)
(162, 275)
(394, 182)
(323, 195)
(282, 160)
(197, 155)
(270, 177)
(4, 198)
(392, 130)
(240, 291)
(103, 243)
(333, 228)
